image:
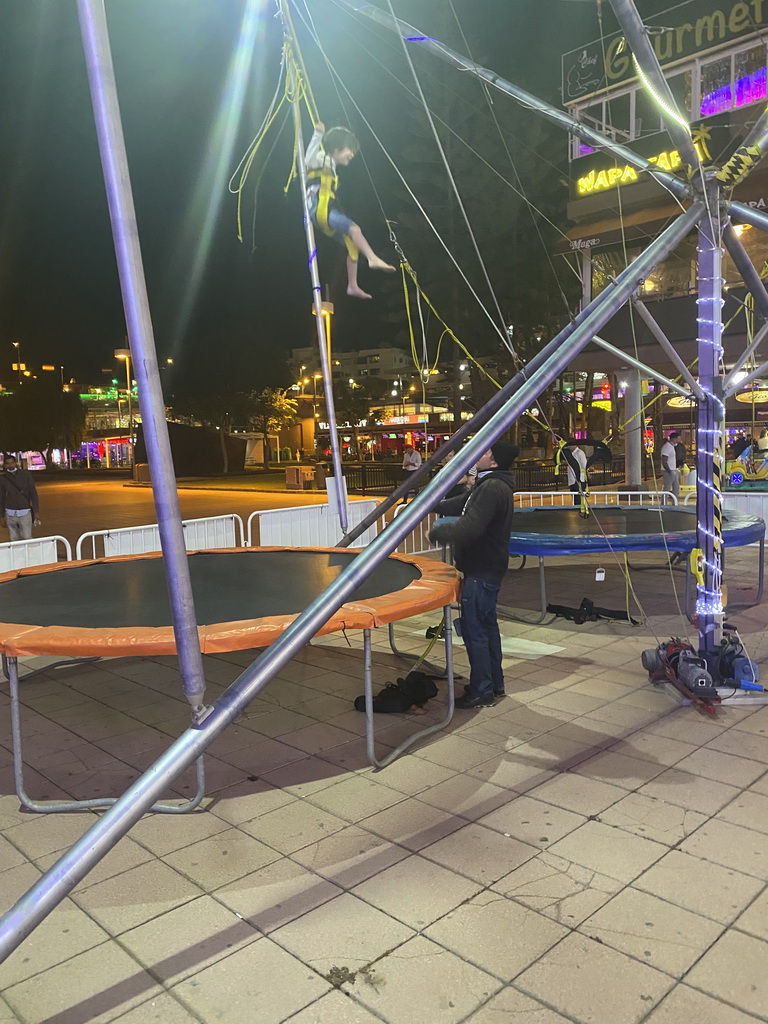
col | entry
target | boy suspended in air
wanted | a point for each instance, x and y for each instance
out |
(325, 152)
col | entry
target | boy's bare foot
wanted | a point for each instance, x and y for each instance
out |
(357, 292)
(378, 264)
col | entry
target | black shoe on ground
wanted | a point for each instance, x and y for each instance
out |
(498, 694)
(468, 703)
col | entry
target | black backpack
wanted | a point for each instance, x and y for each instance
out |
(399, 697)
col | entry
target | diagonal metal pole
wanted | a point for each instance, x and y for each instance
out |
(747, 155)
(62, 877)
(655, 329)
(731, 385)
(648, 65)
(746, 268)
(748, 215)
(734, 389)
(634, 274)
(644, 368)
(101, 78)
(678, 188)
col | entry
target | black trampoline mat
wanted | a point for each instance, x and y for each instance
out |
(606, 519)
(227, 587)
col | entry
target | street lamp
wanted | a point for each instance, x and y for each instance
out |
(18, 367)
(125, 353)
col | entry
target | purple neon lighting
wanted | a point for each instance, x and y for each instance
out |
(748, 89)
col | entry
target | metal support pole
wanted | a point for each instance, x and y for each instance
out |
(678, 188)
(731, 386)
(710, 432)
(637, 36)
(640, 365)
(747, 215)
(626, 283)
(60, 879)
(751, 376)
(746, 268)
(653, 326)
(101, 77)
(322, 338)
(633, 430)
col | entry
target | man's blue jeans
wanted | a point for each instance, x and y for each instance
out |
(480, 632)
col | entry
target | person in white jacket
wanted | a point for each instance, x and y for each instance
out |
(325, 152)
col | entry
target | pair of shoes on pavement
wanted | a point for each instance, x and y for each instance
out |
(468, 703)
(498, 694)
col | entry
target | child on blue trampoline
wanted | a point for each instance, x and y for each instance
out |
(325, 152)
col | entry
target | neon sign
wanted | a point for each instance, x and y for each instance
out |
(612, 177)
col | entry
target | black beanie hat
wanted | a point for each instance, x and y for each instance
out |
(504, 453)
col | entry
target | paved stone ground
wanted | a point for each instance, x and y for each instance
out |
(587, 851)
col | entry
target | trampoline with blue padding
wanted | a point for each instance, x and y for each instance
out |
(547, 532)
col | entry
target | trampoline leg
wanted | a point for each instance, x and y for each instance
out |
(370, 738)
(508, 613)
(57, 806)
(440, 672)
(688, 614)
(760, 581)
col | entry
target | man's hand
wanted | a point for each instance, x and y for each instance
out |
(320, 127)
(441, 530)
(38, 522)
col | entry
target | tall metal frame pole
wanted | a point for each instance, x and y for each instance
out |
(62, 877)
(317, 299)
(746, 268)
(101, 78)
(710, 420)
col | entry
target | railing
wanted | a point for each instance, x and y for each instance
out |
(213, 532)
(21, 554)
(310, 526)
(417, 542)
(558, 499)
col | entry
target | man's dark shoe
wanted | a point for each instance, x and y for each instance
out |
(468, 703)
(496, 693)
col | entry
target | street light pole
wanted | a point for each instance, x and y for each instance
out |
(17, 346)
(125, 353)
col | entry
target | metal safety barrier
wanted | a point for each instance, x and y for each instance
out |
(21, 554)
(564, 499)
(212, 532)
(306, 527)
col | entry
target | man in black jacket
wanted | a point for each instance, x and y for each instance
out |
(19, 496)
(480, 538)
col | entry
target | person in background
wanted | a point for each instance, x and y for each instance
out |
(669, 468)
(20, 502)
(576, 467)
(480, 538)
(762, 441)
(411, 462)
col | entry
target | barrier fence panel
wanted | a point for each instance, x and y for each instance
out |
(417, 542)
(307, 526)
(213, 532)
(557, 499)
(20, 554)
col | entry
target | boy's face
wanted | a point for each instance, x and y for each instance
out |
(343, 156)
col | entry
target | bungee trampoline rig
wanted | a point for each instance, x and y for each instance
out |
(705, 193)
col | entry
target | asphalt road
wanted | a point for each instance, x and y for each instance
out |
(74, 506)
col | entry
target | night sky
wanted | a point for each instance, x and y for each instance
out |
(214, 300)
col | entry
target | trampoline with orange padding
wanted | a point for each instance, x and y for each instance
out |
(244, 598)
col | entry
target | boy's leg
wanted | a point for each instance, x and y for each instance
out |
(353, 288)
(374, 261)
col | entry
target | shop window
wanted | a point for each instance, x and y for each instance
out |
(617, 117)
(647, 115)
(749, 76)
(680, 86)
(716, 87)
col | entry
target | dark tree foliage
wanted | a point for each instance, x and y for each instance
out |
(39, 416)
